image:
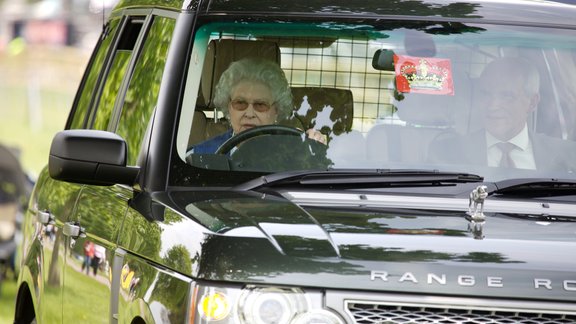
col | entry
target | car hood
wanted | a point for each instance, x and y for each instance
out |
(333, 243)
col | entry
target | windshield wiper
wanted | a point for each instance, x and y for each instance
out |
(535, 187)
(354, 178)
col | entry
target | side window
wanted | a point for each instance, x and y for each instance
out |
(85, 96)
(142, 93)
(118, 68)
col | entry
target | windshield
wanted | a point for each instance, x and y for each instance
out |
(497, 101)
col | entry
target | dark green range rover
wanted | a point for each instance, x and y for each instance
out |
(392, 162)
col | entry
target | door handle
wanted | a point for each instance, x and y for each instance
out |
(45, 218)
(73, 230)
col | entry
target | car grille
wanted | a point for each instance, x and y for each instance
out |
(368, 313)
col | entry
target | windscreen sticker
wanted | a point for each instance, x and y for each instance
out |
(423, 75)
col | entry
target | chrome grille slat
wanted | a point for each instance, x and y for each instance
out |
(376, 313)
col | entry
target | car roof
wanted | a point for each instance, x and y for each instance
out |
(529, 12)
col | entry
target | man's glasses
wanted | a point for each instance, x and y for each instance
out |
(259, 106)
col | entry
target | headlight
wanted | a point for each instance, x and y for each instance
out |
(317, 317)
(214, 306)
(259, 305)
(271, 305)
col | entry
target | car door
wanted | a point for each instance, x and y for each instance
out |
(129, 96)
(54, 201)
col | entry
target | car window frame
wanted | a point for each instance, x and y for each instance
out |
(106, 32)
(117, 121)
(127, 18)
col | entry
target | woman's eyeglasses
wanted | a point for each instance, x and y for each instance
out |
(259, 106)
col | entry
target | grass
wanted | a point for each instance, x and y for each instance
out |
(32, 138)
(37, 88)
(7, 298)
(79, 286)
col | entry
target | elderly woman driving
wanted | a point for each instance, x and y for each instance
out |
(255, 93)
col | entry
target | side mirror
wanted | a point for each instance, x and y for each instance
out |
(90, 157)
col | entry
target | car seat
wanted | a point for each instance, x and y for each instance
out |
(219, 55)
(329, 110)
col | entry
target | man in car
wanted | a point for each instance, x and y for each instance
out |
(507, 93)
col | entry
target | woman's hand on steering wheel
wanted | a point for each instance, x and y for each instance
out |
(317, 136)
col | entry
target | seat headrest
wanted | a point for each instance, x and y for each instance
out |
(198, 131)
(436, 110)
(426, 110)
(329, 110)
(221, 53)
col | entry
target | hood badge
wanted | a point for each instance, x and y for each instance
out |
(475, 212)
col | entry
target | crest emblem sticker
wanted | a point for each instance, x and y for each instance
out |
(423, 75)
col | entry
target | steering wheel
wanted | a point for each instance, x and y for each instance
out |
(257, 131)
